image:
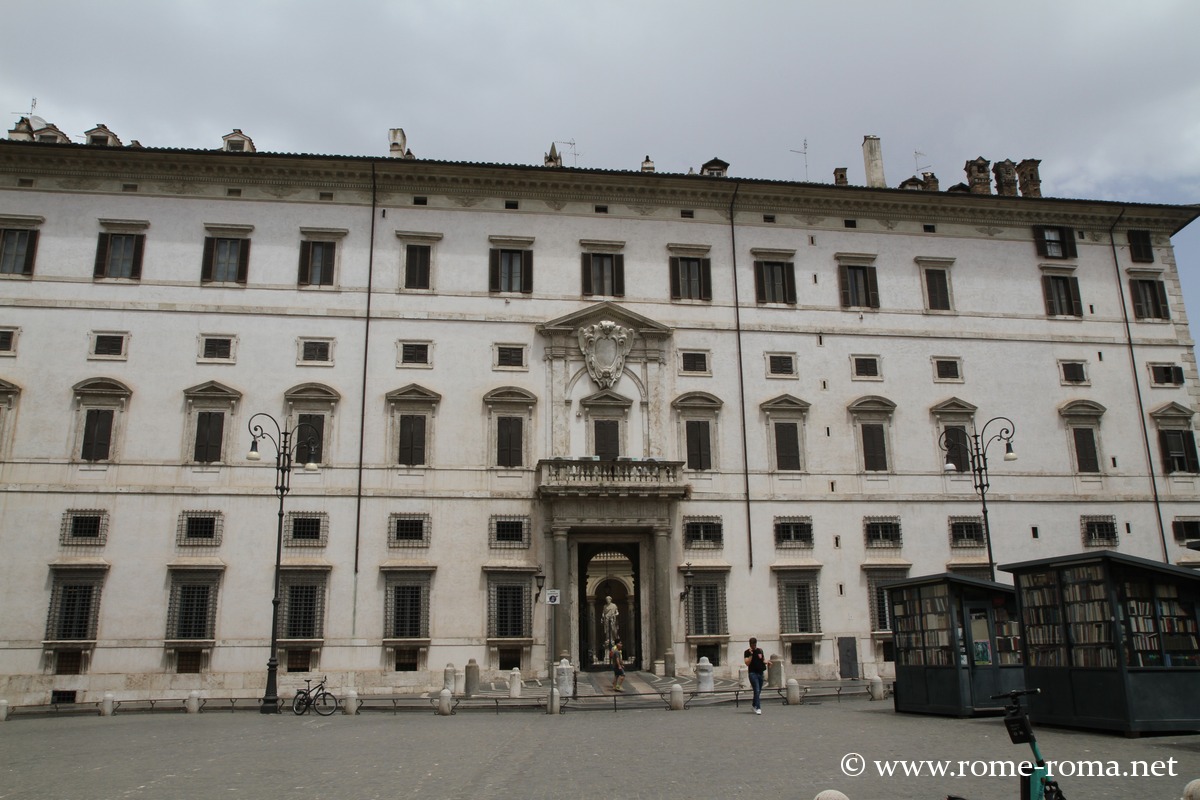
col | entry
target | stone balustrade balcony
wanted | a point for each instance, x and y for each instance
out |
(622, 477)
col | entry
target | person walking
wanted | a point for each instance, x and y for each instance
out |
(756, 663)
(618, 665)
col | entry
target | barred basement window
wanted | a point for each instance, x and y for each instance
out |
(68, 662)
(406, 613)
(299, 659)
(798, 606)
(508, 532)
(793, 532)
(407, 659)
(802, 652)
(966, 532)
(1098, 531)
(199, 529)
(703, 533)
(408, 530)
(189, 662)
(87, 527)
(882, 531)
(306, 529)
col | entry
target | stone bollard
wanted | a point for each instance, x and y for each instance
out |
(875, 688)
(3, 710)
(793, 692)
(193, 702)
(775, 673)
(564, 678)
(448, 677)
(704, 675)
(553, 709)
(443, 708)
(460, 681)
(472, 678)
(676, 697)
(1192, 790)
(744, 676)
(669, 664)
(350, 703)
(107, 706)
(514, 683)
(831, 794)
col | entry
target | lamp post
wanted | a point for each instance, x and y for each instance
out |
(284, 453)
(975, 446)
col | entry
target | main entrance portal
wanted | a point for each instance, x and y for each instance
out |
(610, 603)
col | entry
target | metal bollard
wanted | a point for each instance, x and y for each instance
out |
(350, 703)
(471, 684)
(676, 697)
(443, 708)
(514, 683)
(793, 692)
(193, 702)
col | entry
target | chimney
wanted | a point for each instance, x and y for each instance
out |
(553, 159)
(1027, 173)
(873, 161)
(931, 182)
(977, 176)
(1006, 178)
(397, 143)
(839, 177)
(647, 165)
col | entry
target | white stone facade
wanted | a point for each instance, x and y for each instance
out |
(762, 421)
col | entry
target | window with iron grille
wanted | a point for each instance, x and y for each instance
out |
(978, 573)
(694, 361)
(301, 604)
(84, 526)
(781, 364)
(199, 529)
(306, 529)
(508, 532)
(1186, 528)
(509, 607)
(189, 662)
(966, 532)
(407, 659)
(1098, 531)
(802, 653)
(318, 351)
(706, 607)
(406, 611)
(882, 531)
(68, 662)
(707, 532)
(408, 530)
(798, 607)
(300, 659)
(192, 613)
(794, 532)
(74, 605)
(881, 611)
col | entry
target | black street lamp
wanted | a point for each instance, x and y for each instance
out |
(974, 446)
(284, 452)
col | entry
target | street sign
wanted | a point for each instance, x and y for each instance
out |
(552, 597)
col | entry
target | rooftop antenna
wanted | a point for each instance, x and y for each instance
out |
(917, 162)
(573, 151)
(32, 106)
(804, 153)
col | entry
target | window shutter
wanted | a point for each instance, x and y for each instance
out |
(139, 246)
(1141, 248)
(1039, 239)
(243, 261)
(699, 451)
(1085, 450)
(760, 282)
(314, 431)
(210, 425)
(938, 288)
(97, 434)
(30, 249)
(206, 260)
(787, 445)
(874, 451)
(618, 275)
(1076, 300)
(101, 256)
(1164, 309)
(1139, 307)
(493, 270)
(844, 284)
(789, 282)
(586, 273)
(412, 439)
(302, 278)
(526, 272)
(1068, 242)
(872, 288)
(607, 433)
(706, 279)
(508, 442)
(676, 293)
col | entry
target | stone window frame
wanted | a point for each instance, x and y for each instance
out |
(67, 536)
(401, 344)
(873, 410)
(1083, 415)
(509, 401)
(879, 608)
(849, 298)
(412, 400)
(94, 339)
(703, 532)
(228, 232)
(202, 346)
(398, 516)
(289, 526)
(101, 394)
(395, 576)
(315, 235)
(590, 248)
(877, 542)
(496, 543)
(302, 341)
(1060, 288)
(180, 576)
(786, 409)
(290, 576)
(715, 577)
(510, 244)
(134, 228)
(706, 372)
(935, 362)
(860, 360)
(609, 406)
(699, 407)
(802, 543)
(1089, 524)
(786, 294)
(209, 396)
(13, 338)
(13, 225)
(1176, 418)
(787, 582)
(1082, 363)
(677, 253)
(769, 361)
(10, 393)
(315, 399)
(62, 576)
(429, 239)
(969, 543)
(1148, 295)
(497, 347)
(924, 265)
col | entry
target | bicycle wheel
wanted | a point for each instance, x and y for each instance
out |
(300, 702)
(325, 703)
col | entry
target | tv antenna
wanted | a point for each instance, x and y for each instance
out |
(917, 162)
(32, 106)
(804, 153)
(573, 151)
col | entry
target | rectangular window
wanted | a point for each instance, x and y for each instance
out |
(1185, 528)
(310, 438)
(217, 348)
(787, 446)
(858, 285)
(417, 258)
(74, 605)
(414, 353)
(302, 605)
(119, 255)
(210, 436)
(1149, 299)
(946, 369)
(604, 274)
(108, 345)
(794, 532)
(408, 530)
(866, 367)
(406, 613)
(1073, 372)
(957, 445)
(1141, 249)
(775, 282)
(881, 612)
(97, 434)
(802, 653)
(874, 447)
(607, 438)
(84, 526)
(509, 532)
(8, 341)
(316, 263)
(199, 529)
(882, 532)
(694, 361)
(966, 532)
(798, 607)
(1087, 458)
(412, 439)
(510, 271)
(706, 607)
(703, 533)
(17, 249)
(510, 357)
(937, 290)
(306, 528)
(1054, 242)
(691, 278)
(1062, 296)
(1098, 531)
(780, 364)
(316, 351)
(510, 442)
(192, 613)
(1166, 375)
(509, 608)
(699, 444)
(1178, 451)
(225, 260)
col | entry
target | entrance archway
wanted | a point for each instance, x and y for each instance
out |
(609, 571)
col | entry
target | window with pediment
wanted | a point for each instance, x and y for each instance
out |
(411, 412)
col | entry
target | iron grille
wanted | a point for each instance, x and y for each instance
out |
(509, 609)
(407, 611)
(797, 532)
(706, 608)
(1099, 531)
(703, 533)
(409, 530)
(798, 607)
(193, 610)
(882, 532)
(199, 528)
(881, 612)
(307, 529)
(74, 606)
(88, 526)
(509, 532)
(966, 532)
(302, 605)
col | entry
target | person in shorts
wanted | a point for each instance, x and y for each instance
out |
(618, 665)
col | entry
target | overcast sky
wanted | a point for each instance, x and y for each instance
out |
(1107, 95)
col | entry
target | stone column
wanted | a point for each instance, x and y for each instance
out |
(562, 615)
(664, 601)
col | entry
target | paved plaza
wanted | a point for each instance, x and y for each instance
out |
(639, 752)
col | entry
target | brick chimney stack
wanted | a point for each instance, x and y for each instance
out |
(1006, 178)
(839, 177)
(977, 176)
(1027, 173)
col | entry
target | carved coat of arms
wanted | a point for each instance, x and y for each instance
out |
(604, 347)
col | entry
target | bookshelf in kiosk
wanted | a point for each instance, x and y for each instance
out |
(1111, 640)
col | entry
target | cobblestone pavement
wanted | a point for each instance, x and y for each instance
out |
(638, 753)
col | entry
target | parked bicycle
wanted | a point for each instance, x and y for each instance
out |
(317, 697)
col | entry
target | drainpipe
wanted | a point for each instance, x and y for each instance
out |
(737, 323)
(362, 410)
(1137, 389)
